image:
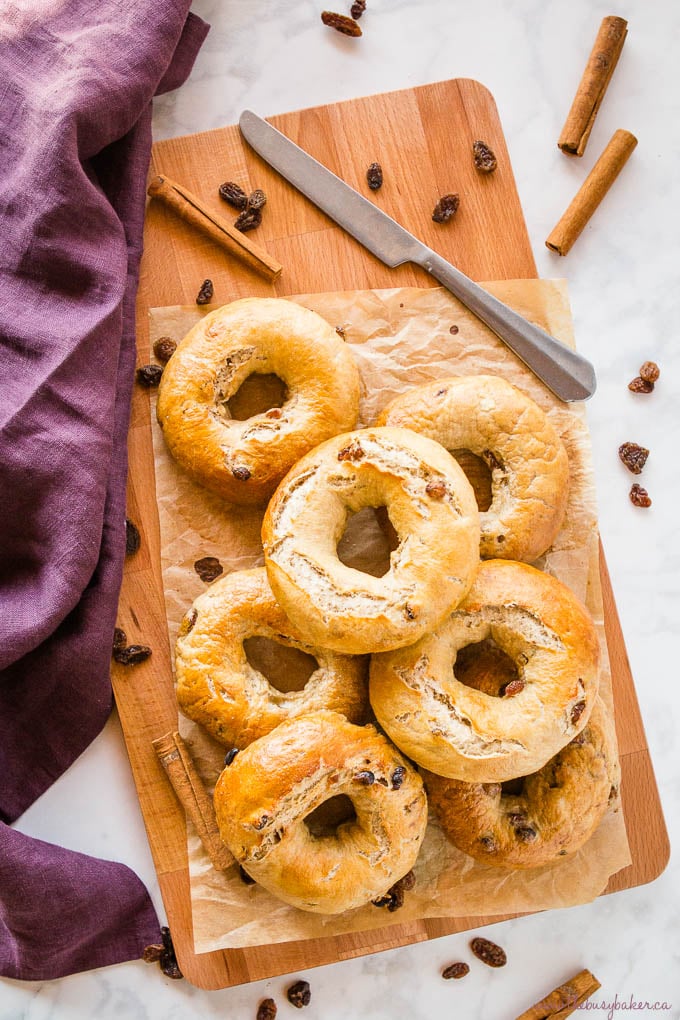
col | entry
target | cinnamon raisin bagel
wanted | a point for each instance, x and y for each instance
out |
(542, 818)
(512, 435)
(265, 797)
(243, 461)
(454, 730)
(219, 688)
(431, 506)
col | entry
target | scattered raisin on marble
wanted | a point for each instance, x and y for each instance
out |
(266, 1010)
(205, 294)
(633, 456)
(256, 199)
(164, 348)
(488, 952)
(456, 971)
(168, 960)
(357, 9)
(233, 194)
(639, 496)
(152, 954)
(512, 688)
(640, 385)
(133, 539)
(208, 568)
(446, 208)
(249, 219)
(374, 176)
(131, 655)
(341, 23)
(149, 375)
(484, 158)
(299, 994)
(649, 372)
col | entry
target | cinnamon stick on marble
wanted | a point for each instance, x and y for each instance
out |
(192, 210)
(175, 758)
(590, 93)
(592, 191)
(563, 1001)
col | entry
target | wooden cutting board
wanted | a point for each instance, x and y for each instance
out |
(422, 138)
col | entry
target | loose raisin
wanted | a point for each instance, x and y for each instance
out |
(119, 640)
(633, 456)
(357, 9)
(205, 294)
(208, 568)
(168, 960)
(649, 372)
(131, 655)
(484, 158)
(133, 539)
(249, 219)
(639, 496)
(446, 208)
(164, 348)
(233, 194)
(149, 375)
(299, 994)
(455, 971)
(488, 952)
(374, 176)
(341, 23)
(266, 1010)
(640, 385)
(366, 778)
(256, 199)
(152, 954)
(512, 688)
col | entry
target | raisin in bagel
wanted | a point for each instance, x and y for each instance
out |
(431, 506)
(511, 434)
(219, 688)
(264, 796)
(542, 818)
(243, 461)
(454, 730)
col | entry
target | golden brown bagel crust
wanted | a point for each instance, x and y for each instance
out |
(432, 508)
(243, 461)
(218, 688)
(456, 731)
(263, 797)
(557, 811)
(509, 431)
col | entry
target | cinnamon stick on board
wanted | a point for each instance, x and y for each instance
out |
(592, 191)
(175, 758)
(563, 1001)
(192, 210)
(590, 93)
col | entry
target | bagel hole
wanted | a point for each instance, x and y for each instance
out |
(257, 394)
(478, 475)
(324, 820)
(285, 668)
(485, 667)
(367, 541)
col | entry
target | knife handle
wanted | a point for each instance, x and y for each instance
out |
(569, 375)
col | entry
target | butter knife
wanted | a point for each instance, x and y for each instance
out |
(568, 374)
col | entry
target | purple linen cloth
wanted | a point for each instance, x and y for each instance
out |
(76, 83)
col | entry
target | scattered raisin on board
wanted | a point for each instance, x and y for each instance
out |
(446, 208)
(149, 375)
(248, 220)
(639, 496)
(640, 385)
(374, 176)
(205, 294)
(233, 194)
(131, 655)
(357, 9)
(455, 970)
(484, 158)
(266, 1010)
(133, 539)
(208, 568)
(633, 456)
(164, 348)
(256, 199)
(299, 994)
(341, 23)
(488, 952)
(649, 371)
(119, 639)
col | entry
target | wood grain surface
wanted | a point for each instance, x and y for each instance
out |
(422, 138)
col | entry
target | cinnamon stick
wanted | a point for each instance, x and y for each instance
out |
(175, 758)
(593, 85)
(192, 210)
(563, 1001)
(592, 191)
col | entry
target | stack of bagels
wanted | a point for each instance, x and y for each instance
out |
(463, 680)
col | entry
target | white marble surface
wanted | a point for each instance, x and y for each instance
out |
(274, 56)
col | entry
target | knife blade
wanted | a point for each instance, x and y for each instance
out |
(566, 373)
